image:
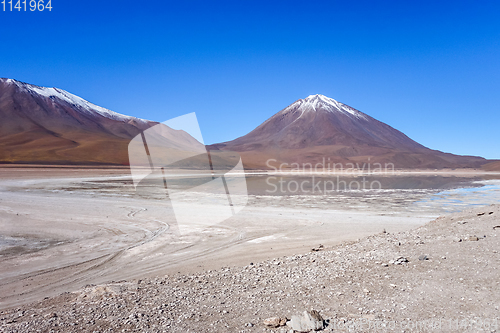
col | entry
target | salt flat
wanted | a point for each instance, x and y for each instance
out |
(64, 228)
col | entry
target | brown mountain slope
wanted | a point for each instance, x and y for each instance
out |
(49, 125)
(492, 166)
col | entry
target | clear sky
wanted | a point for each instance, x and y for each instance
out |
(428, 68)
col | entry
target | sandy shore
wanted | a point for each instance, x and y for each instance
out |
(442, 276)
(64, 228)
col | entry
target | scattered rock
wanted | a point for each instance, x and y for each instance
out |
(400, 261)
(319, 248)
(473, 238)
(281, 284)
(309, 321)
(51, 315)
(480, 214)
(462, 222)
(490, 213)
(457, 239)
(275, 322)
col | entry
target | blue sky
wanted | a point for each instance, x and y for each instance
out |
(430, 69)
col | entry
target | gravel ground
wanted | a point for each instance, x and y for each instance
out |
(444, 276)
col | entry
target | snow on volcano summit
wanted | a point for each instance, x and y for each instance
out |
(322, 102)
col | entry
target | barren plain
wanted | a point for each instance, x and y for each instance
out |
(63, 229)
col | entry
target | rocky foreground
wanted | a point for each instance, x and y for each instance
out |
(444, 276)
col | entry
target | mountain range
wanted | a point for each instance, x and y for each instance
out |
(52, 126)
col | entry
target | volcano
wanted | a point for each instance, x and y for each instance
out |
(318, 129)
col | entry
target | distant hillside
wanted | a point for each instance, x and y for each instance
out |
(50, 125)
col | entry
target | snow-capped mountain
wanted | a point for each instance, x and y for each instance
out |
(319, 121)
(75, 101)
(50, 125)
(318, 127)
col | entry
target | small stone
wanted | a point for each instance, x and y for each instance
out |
(462, 222)
(400, 261)
(309, 321)
(317, 249)
(473, 238)
(422, 257)
(275, 322)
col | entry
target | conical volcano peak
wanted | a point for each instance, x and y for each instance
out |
(318, 127)
(319, 97)
(321, 102)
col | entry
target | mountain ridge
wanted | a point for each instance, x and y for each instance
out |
(50, 125)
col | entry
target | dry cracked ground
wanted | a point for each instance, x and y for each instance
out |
(444, 276)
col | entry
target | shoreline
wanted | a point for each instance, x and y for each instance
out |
(286, 171)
